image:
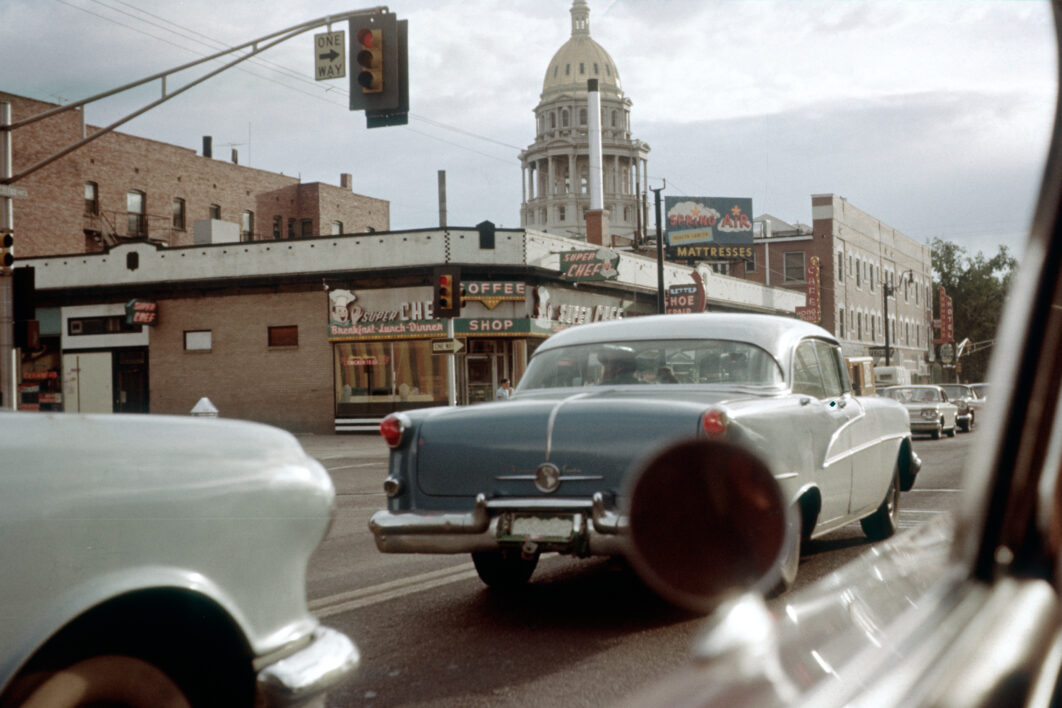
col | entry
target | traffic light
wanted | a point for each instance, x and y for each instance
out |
(376, 77)
(370, 60)
(23, 288)
(446, 302)
(7, 250)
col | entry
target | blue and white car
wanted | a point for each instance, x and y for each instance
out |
(546, 471)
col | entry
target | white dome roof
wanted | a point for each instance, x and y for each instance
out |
(580, 59)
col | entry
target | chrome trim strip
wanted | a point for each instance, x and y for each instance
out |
(553, 419)
(563, 478)
(860, 448)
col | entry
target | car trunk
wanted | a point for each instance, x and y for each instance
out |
(496, 448)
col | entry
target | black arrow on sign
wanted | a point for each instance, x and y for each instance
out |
(331, 56)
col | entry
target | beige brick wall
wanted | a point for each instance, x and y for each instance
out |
(290, 387)
(52, 220)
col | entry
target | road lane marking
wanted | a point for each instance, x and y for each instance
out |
(364, 597)
(356, 466)
(935, 490)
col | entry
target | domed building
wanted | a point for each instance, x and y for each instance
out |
(556, 167)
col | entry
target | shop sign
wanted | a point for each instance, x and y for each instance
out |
(344, 311)
(709, 227)
(492, 292)
(811, 311)
(388, 330)
(583, 266)
(142, 312)
(365, 360)
(947, 317)
(688, 298)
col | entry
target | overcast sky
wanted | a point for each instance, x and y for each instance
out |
(931, 116)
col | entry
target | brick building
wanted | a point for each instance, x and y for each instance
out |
(858, 256)
(121, 187)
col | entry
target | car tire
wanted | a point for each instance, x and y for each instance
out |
(505, 568)
(885, 519)
(970, 425)
(101, 680)
(936, 434)
(791, 558)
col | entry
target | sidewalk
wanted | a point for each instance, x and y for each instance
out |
(325, 447)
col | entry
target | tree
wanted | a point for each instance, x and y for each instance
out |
(977, 286)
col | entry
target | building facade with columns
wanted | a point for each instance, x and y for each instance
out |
(556, 166)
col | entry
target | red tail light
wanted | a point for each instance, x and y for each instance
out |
(393, 427)
(715, 422)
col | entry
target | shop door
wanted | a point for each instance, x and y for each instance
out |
(88, 383)
(131, 381)
(484, 372)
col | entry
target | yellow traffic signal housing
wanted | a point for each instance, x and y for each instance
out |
(447, 286)
(370, 60)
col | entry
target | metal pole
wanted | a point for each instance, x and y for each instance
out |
(659, 253)
(9, 373)
(885, 295)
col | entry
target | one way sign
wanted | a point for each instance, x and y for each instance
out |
(330, 55)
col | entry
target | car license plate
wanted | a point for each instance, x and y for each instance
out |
(541, 528)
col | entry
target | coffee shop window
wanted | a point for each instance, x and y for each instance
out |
(285, 336)
(398, 372)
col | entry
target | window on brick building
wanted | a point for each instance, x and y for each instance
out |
(92, 199)
(306, 226)
(134, 206)
(278, 227)
(178, 213)
(794, 265)
(291, 228)
(840, 267)
(198, 340)
(247, 226)
(750, 263)
(215, 211)
(337, 228)
(286, 336)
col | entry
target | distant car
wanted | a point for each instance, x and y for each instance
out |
(981, 389)
(160, 561)
(545, 471)
(968, 403)
(929, 408)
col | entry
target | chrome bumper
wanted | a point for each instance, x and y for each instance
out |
(412, 532)
(300, 680)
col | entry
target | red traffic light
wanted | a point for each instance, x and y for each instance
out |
(370, 59)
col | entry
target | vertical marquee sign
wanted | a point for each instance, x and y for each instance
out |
(812, 309)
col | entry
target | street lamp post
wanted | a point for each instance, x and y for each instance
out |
(886, 291)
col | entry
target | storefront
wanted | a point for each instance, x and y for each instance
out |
(390, 354)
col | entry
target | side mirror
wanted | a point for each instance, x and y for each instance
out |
(707, 521)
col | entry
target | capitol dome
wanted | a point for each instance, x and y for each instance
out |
(579, 59)
(556, 169)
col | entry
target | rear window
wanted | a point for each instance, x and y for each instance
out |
(663, 363)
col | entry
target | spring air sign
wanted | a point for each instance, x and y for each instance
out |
(708, 228)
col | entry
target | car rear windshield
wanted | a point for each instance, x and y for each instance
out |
(669, 362)
(913, 395)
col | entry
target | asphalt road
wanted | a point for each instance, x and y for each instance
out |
(583, 633)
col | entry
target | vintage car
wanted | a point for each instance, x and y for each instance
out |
(546, 470)
(981, 390)
(930, 410)
(967, 401)
(161, 561)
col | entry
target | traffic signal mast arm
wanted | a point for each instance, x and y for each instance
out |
(255, 47)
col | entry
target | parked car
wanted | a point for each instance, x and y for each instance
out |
(545, 471)
(967, 401)
(160, 561)
(929, 408)
(981, 389)
(964, 610)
